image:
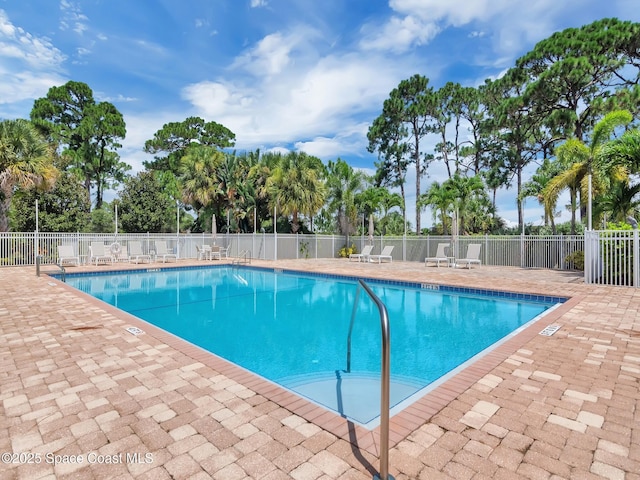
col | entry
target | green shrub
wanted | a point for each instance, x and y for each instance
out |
(576, 258)
(345, 251)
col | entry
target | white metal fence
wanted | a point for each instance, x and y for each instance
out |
(526, 251)
(611, 258)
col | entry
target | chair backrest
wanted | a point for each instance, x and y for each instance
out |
(161, 247)
(215, 249)
(97, 249)
(473, 251)
(135, 248)
(65, 251)
(386, 251)
(442, 250)
(367, 249)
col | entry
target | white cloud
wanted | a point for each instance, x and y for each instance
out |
(17, 87)
(16, 44)
(398, 34)
(201, 22)
(258, 3)
(452, 12)
(269, 56)
(29, 66)
(117, 99)
(73, 18)
(306, 99)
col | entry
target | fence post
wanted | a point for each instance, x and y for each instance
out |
(404, 247)
(636, 260)
(587, 257)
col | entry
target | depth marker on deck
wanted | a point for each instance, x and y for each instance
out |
(134, 330)
(550, 330)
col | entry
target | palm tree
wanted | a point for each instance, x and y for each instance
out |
(622, 153)
(198, 175)
(295, 186)
(388, 201)
(441, 198)
(464, 189)
(539, 181)
(260, 169)
(343, 182)
(619, 202)
(582, 162)
(26, 160)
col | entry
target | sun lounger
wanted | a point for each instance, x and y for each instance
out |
(473, 256)
(135, 253)
(163, 252)
(67, 255)
(362, 256)
(98, 253)
(441, 255)
(384, 255)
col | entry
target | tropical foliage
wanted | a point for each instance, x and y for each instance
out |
(568, 107)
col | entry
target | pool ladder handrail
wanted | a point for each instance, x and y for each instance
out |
(385, 374)
(244, 254)
(63, 272)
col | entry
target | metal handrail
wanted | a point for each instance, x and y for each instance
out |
(63, 272)
(385, 374)
(242, 254)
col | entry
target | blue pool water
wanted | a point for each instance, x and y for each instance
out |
(292, 328)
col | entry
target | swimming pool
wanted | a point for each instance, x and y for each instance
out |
(292, 328)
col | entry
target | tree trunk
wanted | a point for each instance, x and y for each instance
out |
(418, 174)
(5, 203)
(520, 209)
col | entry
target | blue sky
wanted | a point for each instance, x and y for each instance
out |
(281, 74)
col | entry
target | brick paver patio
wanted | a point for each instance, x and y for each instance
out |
(78, 389)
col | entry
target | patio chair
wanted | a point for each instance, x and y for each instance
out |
(362, 256)
(98, 253)
(384, 255)
(135, 253)
(441, 255)
(224, 251)
(215, 252)
(67, 255)
(473, 256)
(203, 252)
(163, 251)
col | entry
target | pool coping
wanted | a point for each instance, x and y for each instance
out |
(401, 425)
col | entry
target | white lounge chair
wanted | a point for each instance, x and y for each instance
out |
(362, 256)
(67, 255)
(441, 255)
(98, 253)
(162, 251)
(473, 256)
(384, 255)
(135, 253)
